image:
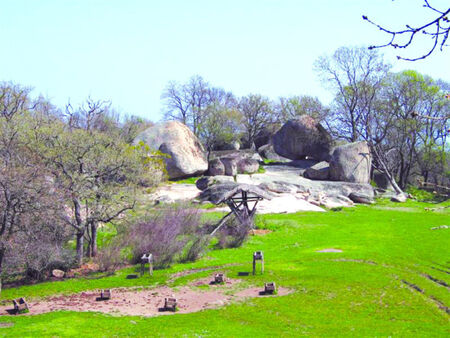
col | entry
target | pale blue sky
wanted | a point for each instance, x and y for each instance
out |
(127, 51)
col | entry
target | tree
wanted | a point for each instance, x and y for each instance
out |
(415, 141)
(28, 200)
(355, 75)
(99, 174)
(220, 126)
(257, 112)
(437, 29)
(291, 107)
(188, 102)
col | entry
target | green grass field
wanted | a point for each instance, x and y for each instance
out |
(370, 289)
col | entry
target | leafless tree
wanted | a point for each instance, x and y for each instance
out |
(189, 102)
(257, 112)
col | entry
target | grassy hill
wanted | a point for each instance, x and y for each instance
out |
(391, 279)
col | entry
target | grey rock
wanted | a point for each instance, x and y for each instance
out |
(279, 187)
(265, 135)
(247, 166)
(230, 164)
(187, 156)
(319, 171)
(381, 180)
(302, 137)
(58, 273)
(358, 197)
(216, 167)
(230, 146)
(205, 182)
(351, 163)
(267, 152)
(238, 154)
(184, 160)
(400, 198)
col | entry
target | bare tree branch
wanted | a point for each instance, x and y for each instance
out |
(440, 26)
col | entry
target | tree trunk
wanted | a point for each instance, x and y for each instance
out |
(93, 244)
(387, 172)
(80, 244)
(2, 254)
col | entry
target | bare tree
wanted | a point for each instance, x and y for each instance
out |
(355, 75)
(27, 195)
(437, 29)
(189, 102)
(257, 112)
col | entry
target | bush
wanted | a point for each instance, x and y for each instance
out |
(35, 254)
(423, 195)
(233, 233)
(171, 234)
(110, 257)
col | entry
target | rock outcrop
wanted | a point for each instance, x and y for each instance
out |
(399, 198)
(302, 137)
(187, 156)
(216, 167)
(205, 182)
(230, 165)
(381, 180)
(267, 152)
(319, 171)
(247, 166)
(351, 163)
(358, 197)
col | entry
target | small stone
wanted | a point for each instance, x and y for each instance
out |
(400, 198)
(58, 273)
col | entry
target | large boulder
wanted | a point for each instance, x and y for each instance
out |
(266, 151)
(359, 197)
(205, 182)
(230, 164)
(381, 180)
(319, 171)
(351, 163)
(237, 154)
(216, 167)
(247, 166)
(302, 137)
(264, 136)
(187, 156)
(229, 146)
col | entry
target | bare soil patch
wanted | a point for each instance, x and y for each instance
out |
(259, 232)
(330, 250)
(148, 302)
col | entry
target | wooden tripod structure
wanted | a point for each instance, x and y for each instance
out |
(242, 200)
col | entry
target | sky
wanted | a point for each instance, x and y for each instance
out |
(126, 51)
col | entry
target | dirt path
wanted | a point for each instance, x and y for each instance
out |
(198, 296)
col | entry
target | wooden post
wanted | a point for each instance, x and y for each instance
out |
(258, 256)
(147, 259)
(150, 264)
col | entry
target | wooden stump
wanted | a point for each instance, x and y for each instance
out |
(20, 305)
(219, 278)
(170, 304)
(105, 294)
(269, 288)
